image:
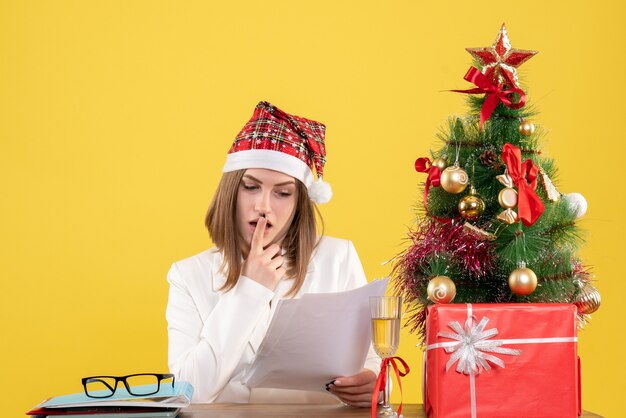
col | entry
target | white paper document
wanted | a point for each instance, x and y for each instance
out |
(314, 339)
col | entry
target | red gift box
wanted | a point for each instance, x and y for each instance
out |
(501, 360)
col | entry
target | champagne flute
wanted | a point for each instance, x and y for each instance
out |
(385, 314)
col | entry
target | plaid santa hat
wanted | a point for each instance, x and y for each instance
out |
(276, 140)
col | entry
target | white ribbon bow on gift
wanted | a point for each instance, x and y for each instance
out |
(473, 345)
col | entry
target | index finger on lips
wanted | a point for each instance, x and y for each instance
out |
(256, 244)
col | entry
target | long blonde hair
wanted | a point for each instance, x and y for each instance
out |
(299, 243)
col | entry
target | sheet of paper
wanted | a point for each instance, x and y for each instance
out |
(312, 340)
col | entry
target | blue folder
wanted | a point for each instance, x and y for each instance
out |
(178, 396)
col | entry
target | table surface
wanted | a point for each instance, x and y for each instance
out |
(246, 410)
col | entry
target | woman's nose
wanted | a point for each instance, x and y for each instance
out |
(262, 203)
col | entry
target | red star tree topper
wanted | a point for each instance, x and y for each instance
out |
(500, 60)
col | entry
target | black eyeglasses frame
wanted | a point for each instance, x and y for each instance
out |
(123, 379)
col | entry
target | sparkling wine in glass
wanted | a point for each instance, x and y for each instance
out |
(385, 312)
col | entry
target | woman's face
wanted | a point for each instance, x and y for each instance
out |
(269, 193)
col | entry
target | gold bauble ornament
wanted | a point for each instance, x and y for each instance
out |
(454, 179)
(526, 128)
(523, 281)
(471, 206)
(507, 198)
(588, 300)
(441, 289)
(441, 163)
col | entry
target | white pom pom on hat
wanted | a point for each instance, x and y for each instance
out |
(276, 140)
(320, 191)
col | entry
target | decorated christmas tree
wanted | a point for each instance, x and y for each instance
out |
(494, 228)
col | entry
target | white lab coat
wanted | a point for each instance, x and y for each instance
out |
(214, 335)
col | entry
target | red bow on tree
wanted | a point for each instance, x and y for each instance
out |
(424, 165)
(524, 175)
(495, 93)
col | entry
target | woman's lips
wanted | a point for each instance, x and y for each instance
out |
(253, 224)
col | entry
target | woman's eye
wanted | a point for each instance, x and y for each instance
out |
(283, 193)
(250, 186)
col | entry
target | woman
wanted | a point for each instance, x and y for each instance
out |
(262, 221)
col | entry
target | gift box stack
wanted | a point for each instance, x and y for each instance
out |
(495, 288)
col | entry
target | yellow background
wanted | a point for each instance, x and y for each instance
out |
(115, 117)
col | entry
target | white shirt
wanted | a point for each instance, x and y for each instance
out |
(214, 335)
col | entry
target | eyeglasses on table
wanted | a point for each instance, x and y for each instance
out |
(139, 384)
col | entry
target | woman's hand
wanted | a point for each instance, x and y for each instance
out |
(264, 266)
(355, 390)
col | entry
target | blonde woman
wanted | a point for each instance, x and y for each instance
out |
(262, 221)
